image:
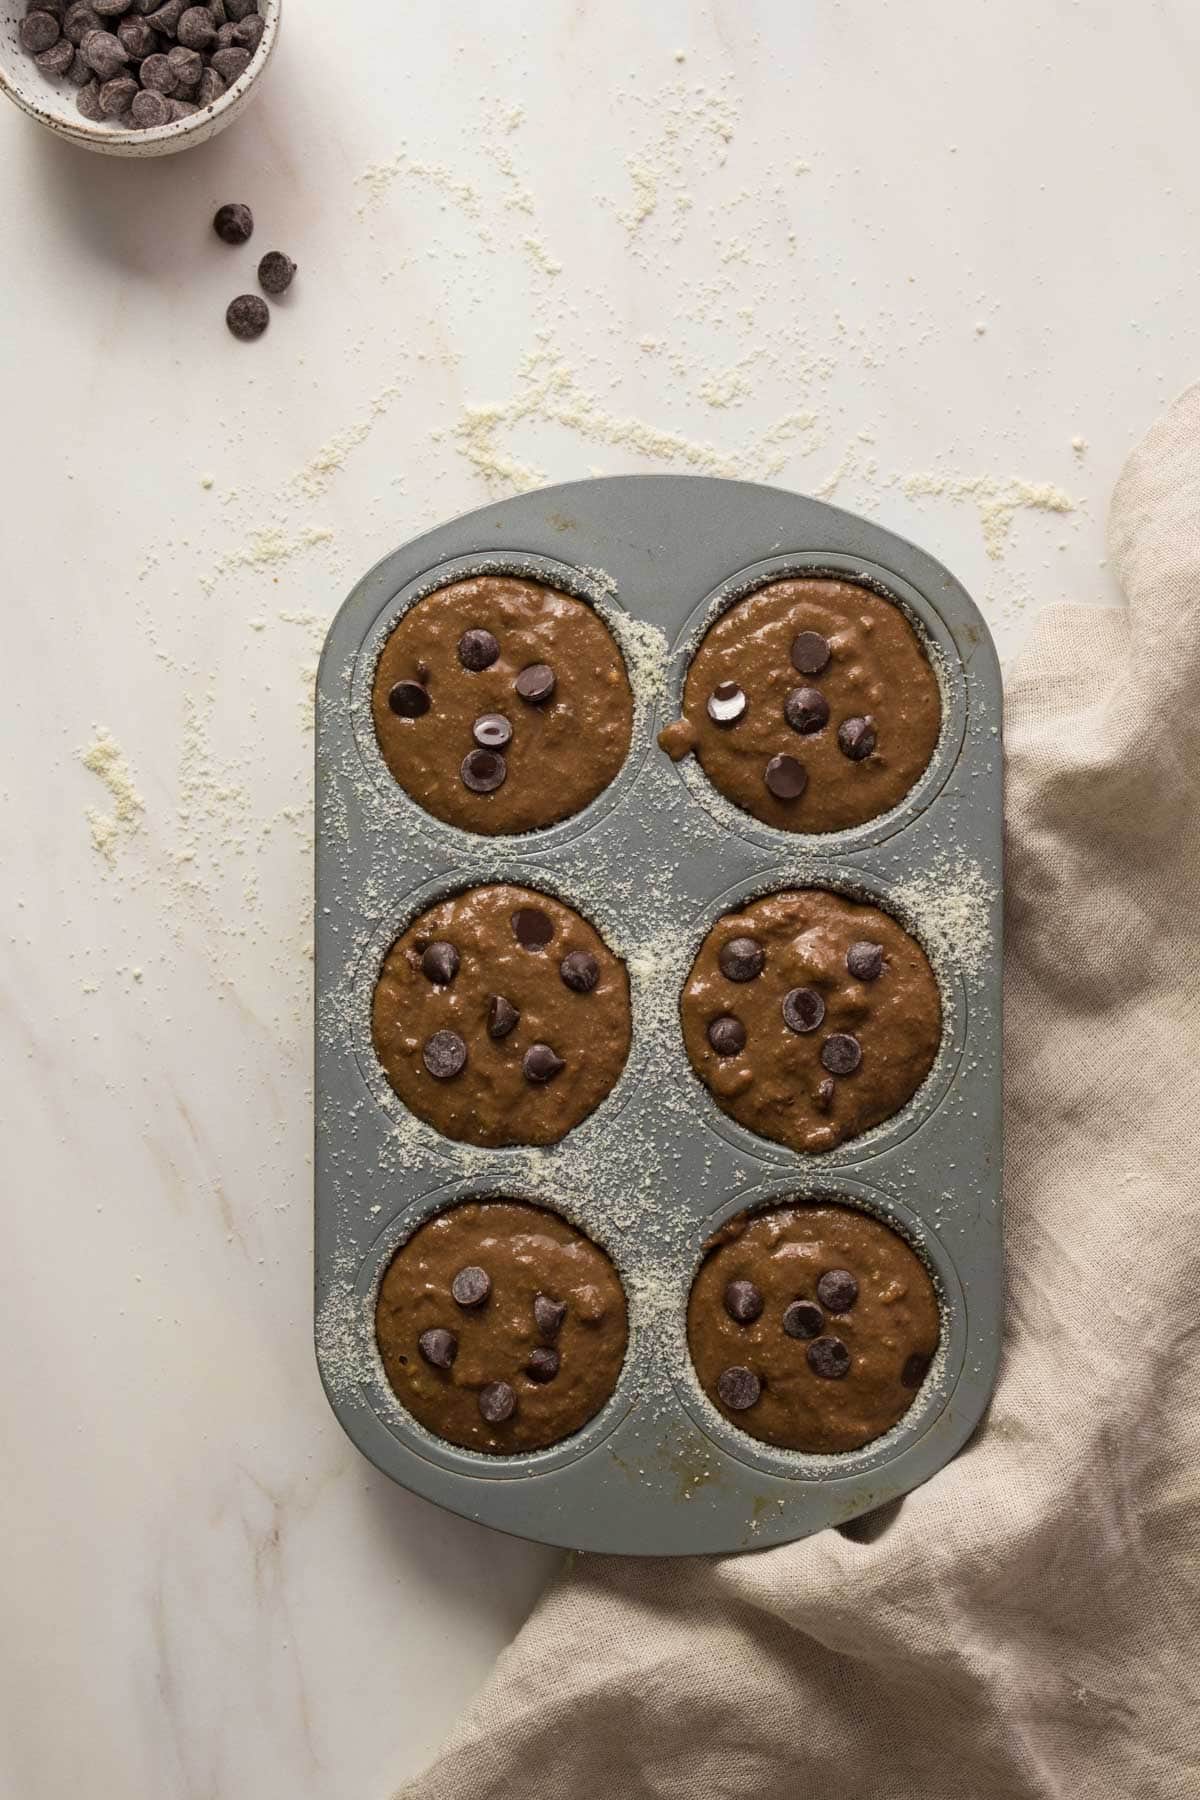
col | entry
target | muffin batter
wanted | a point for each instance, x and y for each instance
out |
(812, 1327)
(501, 1327)
(810, 704)
(810, 1018)
(501, 1017)
(501, 705)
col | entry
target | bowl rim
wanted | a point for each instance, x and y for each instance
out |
(88, 131)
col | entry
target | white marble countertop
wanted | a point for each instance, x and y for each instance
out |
(937, 262)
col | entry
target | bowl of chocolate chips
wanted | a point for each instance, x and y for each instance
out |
(135, 77)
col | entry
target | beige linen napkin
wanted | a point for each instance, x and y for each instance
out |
(1028, 1622)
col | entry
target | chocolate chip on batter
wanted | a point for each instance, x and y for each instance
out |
(829, 1358)
(738, 1388)
(497, 1402)
(445, 1055)
(492, 731)
(841, 1053)
(743, 1301)
(810, 652)
(440, 963)
(803, 1010)
(483, 771)
(247, 316)
(438, 1346)
(865, 961)
(786, 778)
(803, 1320)
(276, 272)
(502, 1016)
(532, 928)
(824, 1094)
(580, 971)
(856, 738)
(837, 1290)
(726, 703)
(806, 710)
(408, 700)
(541, 1063)
(536, 683)
(727, 1035)
(915, 1370)
(542, 1363)
(477, 650)
(548, 1315)
(471, 1286)
(741, 959)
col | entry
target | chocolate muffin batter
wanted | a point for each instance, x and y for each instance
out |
(501, 1017)
(501, 1327)
(501, 705)
(811, 1018)
(810, 704)
(812, 1327)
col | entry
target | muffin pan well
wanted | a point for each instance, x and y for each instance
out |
(651, 863)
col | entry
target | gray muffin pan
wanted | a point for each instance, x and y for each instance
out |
(652, 863)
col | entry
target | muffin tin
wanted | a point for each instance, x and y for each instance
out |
(650, 1174)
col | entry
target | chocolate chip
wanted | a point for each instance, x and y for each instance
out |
(105, 52)
(234, 223)
(240, 9)
(492, 731)
(542, 1364)
(841, 1053)
(440, 963)
(197, 29)
(541, 1063)
(727, 1035)
(148, 112)
(79, 20)
(829, 1358)
(438, 1346)
(497, 1402)
(138, 38)
(837, 1290)
(532, 928)
(548, 1315)
(118, 95)
(726, 703)
(186, 65)
(810, 652)
(107, 8)
(803, 1320)
(824, 1094)
(231, 64)
(865, 961)
(803, 1010)
(856, 738)
(87, 100)
(37, 31)
(502, 1017)
(408, 700)
(248, 32)
(80, 71)
(57, 59)
(54, 7)
(743, 1301)
(536, 683)
(165, 19)
(580, 971)
(247, 317)
(471, 1286)
(182, 109)
(915, 1370)
(477, 649)
(276, 272)
(738, 1388)
(212, 86)
(785, 777)
(806, 710)
(157, 76)
(483, 771)
(741, 959)
(445, 1055)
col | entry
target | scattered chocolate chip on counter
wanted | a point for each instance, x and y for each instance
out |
(276, 272)
(234, 223)
(247, 317)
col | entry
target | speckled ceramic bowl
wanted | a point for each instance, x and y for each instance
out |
(52, 103)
